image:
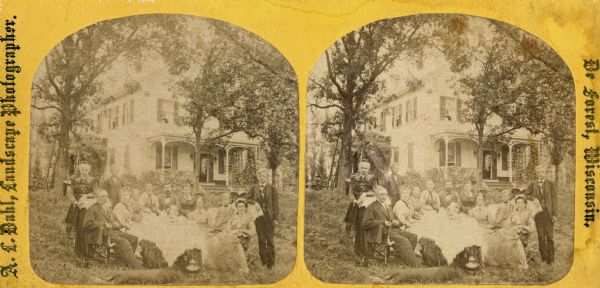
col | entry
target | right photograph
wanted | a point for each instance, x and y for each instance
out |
(440, 149)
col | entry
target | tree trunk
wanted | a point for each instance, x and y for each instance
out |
(345, 161)
(196, 176)
(480, 158)
(62, 169)
(335, 152)
(273, 160)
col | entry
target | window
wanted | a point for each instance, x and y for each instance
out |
(99, 123)
(131, 112)
(167, 111)
(450, 108)
(124, 117)
(171, 157)
(382, 121)
(222, 156)
(505, 158)
(396, 152)
(408, 110)
(414, 109)
(115, 119)
(454, 154)
(399, 116)
(409, 156)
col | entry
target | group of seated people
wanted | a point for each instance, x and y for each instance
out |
(158, 213)
(507, 223)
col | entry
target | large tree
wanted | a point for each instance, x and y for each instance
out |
(243, 83)
(272, 107)
(68, 81)
(352, 77)
(515, 74)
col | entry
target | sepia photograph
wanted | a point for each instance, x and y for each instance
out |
(164, 150)
(440, 149)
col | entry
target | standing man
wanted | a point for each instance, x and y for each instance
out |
(543, 190)
(113, 185)
(266, 196)
(392, 183)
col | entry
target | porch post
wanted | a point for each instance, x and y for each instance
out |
(227, 165)
(162, 155)
(446, 158)
(510, 161)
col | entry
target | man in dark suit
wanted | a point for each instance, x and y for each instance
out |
(543, 190)
(380, 223)
(265, 195)
(392, 183)
(113, 185)
(99, 228)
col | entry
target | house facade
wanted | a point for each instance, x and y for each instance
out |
(428, 131)
(143, 136)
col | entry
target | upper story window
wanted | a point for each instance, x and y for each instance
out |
(450, 108)
(411, 109)
(382, 120)
(167, 111)
(397, 115)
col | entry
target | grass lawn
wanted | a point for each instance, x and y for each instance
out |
(329, 253)
(53, 258)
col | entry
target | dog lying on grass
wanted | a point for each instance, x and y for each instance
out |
(467, 261)
(189, 263)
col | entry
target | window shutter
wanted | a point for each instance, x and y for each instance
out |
(174, 157)
(158, 156)
(399, 114)
(116, 116)
(222, 161)
(442, 108)
(442, 154)
(458, 154)
(407, 110)
(159, 110)
(124, 118)
(414, 108)
(458, 110)
(131, 112)
(175, 111)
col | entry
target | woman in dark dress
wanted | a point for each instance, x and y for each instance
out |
(187, 200)
(83, 187)
(361, 187)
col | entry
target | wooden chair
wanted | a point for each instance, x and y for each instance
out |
(381, 248)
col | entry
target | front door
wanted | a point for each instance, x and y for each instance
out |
(206, 168)
(489, 165)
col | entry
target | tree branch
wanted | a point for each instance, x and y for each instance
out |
(46, 107)
(324, 106)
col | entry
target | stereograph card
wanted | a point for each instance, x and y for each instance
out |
(299, 143)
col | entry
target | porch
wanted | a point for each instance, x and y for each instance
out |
(503, 161)
(220, 165)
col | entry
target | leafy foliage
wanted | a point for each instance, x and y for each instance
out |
(68, 81)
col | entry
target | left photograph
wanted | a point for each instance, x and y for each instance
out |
(164, 150)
